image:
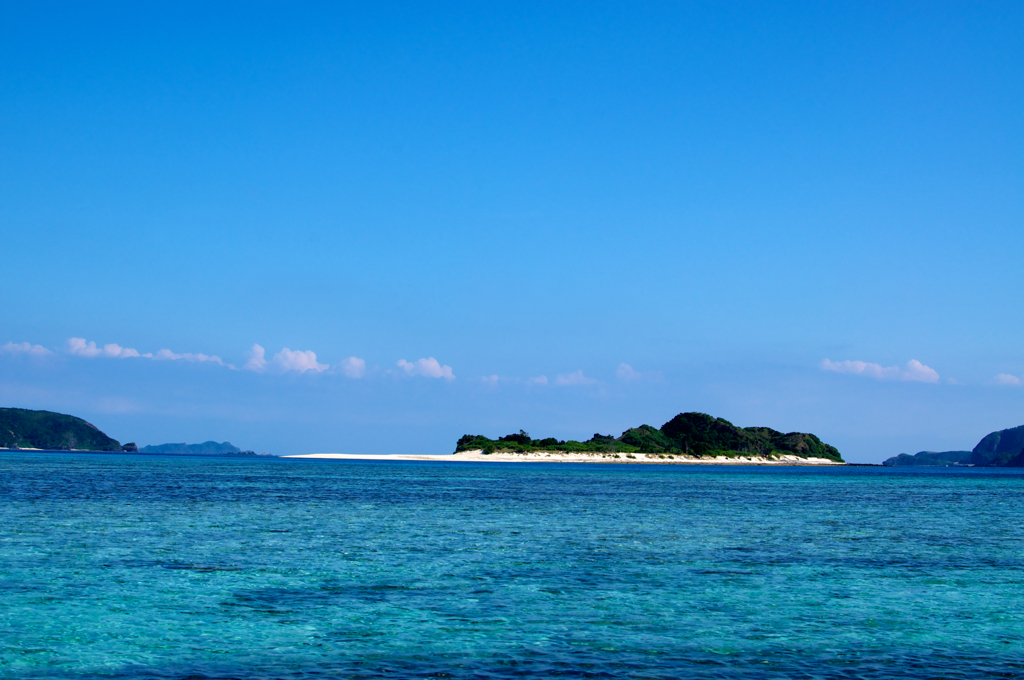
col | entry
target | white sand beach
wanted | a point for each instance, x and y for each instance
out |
(564, 457)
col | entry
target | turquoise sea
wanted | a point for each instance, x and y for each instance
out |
(163, 567)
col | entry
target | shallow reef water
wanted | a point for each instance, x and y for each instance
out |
(120, 566)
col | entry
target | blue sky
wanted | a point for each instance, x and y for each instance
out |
(562, 217)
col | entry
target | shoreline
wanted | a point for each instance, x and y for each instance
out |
(136, 453)
(477, 456)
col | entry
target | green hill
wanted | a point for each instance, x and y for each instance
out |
(695, 434)
(22, 428)
(932, 458)
(1004, 448)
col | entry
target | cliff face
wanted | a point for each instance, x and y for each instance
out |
(26, 429)
(1000, 449)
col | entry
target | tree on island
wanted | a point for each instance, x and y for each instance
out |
(690, 434)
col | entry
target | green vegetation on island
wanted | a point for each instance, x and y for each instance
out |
(25, 429)
(689, 434)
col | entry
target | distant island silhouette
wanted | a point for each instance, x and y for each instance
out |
(210, 448)
(1003, 448)
(22, 428)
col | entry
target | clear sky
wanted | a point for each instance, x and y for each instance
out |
(374, 228)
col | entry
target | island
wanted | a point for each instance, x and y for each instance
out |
(22, 428)
(1003, 448)
(25, 429)
(689, 438)
(209, 448)
(930, 458)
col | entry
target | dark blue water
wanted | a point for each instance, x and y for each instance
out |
(161, 567)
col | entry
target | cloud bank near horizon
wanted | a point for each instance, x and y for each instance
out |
(627, 373)
(353, 367)
(914, 371)
(24, 348)
(168, 355)
(286, 360)
(427, 368)
(574, 378)
(257, 359)
(79, 347)
(305, 361)
(299, 361)
(82, 348)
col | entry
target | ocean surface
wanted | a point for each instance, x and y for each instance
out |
(176, 567)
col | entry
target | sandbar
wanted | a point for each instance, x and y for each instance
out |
(478, 456)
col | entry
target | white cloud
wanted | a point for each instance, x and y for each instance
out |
(490, 380)
(118, 352)
(1006, 379)
(626, 372)
(353, 367)
(428, 368)
(298, 360)
(257, 359)
(79, 347)
(574, 378)
(861, 368)
(539, 380)
(914, 371)
(24, 348)
(918, 372)
(168, 355)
